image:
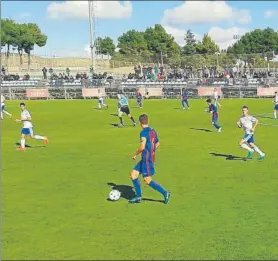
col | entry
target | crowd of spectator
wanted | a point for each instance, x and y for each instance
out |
(158, 73)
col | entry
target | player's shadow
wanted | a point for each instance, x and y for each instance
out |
(264, 117)
(200, 129)
(114, 114)
(128, 193)
(30, 147)
(114, 124)
(178, 109)
(228, 156)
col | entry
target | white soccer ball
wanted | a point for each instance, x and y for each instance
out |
(114, 195)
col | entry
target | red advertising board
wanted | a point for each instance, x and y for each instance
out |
(267, 91)
(154, 92)
(208, 91)
(37, 93)
(93, 92)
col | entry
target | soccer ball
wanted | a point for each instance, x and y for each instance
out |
(114, 195)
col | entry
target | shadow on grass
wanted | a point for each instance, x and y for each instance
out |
(127, 192)
(114, 114)
(228, 157)
(264, 117)
(200, 129)
(178, 109)
(30, 147)
(115, 125)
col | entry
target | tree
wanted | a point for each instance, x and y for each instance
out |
(132, 42)
(33, 37)
(106, 45)
(257, 41)
(190, 46)
(207, 46)
(8, 35)
(21, 36)
(161, 43)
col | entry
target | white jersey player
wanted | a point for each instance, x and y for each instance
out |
(216, 97)
(275, 105)
(101, 101)
(3, 107)
(249, 124)
(27, 129)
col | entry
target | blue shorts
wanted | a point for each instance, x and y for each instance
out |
(27, 131)
(275, 107)
(145, 168)
(3, 107)
(100, 101)
(249, 138)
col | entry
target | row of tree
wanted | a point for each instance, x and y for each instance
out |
(21, 37)
(154, 45)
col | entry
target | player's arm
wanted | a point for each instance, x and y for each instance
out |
(141, 147)
(256, 122)
(157, 145)
(239, 124)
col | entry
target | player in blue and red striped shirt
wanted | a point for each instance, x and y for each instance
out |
(213, 109)
(184, 99)
(139, 98)
(149, 142)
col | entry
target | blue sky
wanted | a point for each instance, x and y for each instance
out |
(67, 27)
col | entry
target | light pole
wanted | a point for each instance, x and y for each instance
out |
(92, 34)
(217, 62)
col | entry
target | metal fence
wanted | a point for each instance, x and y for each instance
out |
(130, 92)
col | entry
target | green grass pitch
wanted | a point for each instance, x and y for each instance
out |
(54, 199)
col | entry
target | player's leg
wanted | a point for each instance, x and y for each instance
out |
(275, 111)
(99, 104)
(134, 175)
(243, 144)
(255, 148)
(121, 117)
(37, 137)
(182, 104)
(2, 115)
(217, 102)
(7, 113)
(147, 172)
(130, 116)
(187, 104)
(215, 124)
(22, 139)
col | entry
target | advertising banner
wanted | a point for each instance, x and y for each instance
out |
(93, 92)
(153, 92)
(208, 91)
(37, 93)
(267, 91)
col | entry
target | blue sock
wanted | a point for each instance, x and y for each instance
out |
(137, 187)
(157, 187)
(216, 126)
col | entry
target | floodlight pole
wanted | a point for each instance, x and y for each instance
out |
(92, 33)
